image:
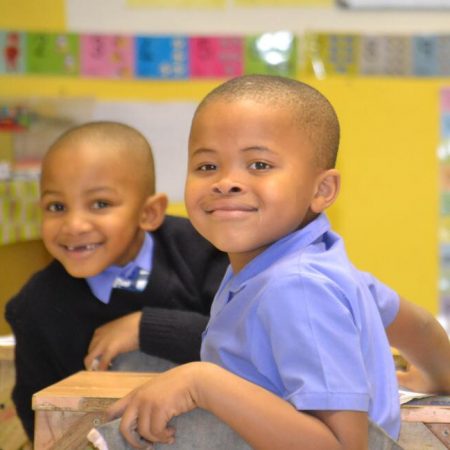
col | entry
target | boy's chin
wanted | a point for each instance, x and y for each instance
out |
(82, 272)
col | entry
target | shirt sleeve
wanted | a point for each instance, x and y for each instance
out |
(386, 299)
(315, 345)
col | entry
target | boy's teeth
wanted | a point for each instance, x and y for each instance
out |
(81, 247)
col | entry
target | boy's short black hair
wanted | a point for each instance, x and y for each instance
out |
(311, 110)
(118, 134)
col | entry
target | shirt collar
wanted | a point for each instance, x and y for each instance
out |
(101, 284)
(292, 242)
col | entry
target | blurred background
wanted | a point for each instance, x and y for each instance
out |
(385, 66)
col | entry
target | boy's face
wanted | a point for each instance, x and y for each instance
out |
(91, 208)
(251, 177)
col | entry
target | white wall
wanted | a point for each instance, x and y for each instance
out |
(166, 126)
(116, 16)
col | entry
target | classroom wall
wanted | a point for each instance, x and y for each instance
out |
(388, 207)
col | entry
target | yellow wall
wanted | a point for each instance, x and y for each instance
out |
(388, 208)
(30, 15)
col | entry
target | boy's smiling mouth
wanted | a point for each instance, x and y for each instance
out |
(80, 248)
(229, 210)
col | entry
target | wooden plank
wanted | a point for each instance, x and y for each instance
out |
(67, 410)
(426, 414)
(416, 436)
(88, 391)
(441, 431)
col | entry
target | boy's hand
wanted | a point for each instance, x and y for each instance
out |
(109, 340)
(147, 410)
(417, 381)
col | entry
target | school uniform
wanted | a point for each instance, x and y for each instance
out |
(302, 322)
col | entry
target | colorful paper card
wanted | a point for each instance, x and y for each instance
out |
(386, 55)
(397, 55)
(108, 56)
(333, 54)
(443, 154)
(12, 48)
(445, 100)
(425, 55)
(216, 57)
(161, 57)
(372, 55)
(271, 53)
(445, 125)
(444, 230)
(443, 55)
(53, 54)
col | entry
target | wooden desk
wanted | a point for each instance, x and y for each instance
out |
(426, 424)
(67, 410)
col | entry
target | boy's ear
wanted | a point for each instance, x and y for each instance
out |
(153, 212)
(329, 183)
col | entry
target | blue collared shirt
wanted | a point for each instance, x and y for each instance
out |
(302, 322)
(101, 285)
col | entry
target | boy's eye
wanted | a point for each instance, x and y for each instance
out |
(100, 204)
(260, 165)
(206, 167)
(55, 207)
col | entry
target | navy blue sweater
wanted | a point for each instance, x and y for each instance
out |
(54, 315)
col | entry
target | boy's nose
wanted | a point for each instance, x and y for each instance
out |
(75, 223)
(227, 186)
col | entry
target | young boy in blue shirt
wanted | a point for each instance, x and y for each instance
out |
(296, 354)
(126, 277)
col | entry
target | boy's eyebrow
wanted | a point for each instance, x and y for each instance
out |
(200, 151)
(260, 148)
(100, 189)
(93, 190)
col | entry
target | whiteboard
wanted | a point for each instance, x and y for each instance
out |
(166, 127)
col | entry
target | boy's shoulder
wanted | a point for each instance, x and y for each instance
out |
(44, 286)
(179, 240)
(175, 223)
(180, 230)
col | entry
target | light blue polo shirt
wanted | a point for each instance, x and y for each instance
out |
(302, 322)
